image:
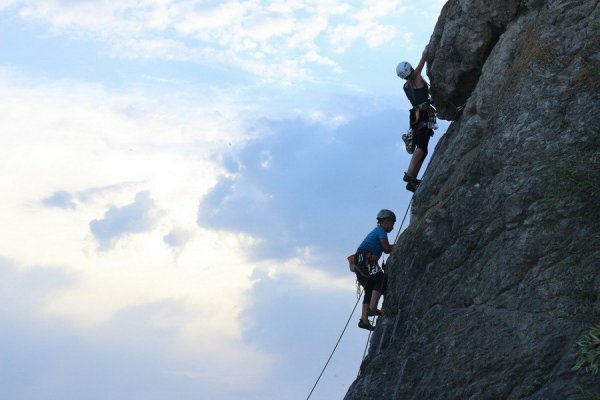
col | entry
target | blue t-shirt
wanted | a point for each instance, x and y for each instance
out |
(372, 243)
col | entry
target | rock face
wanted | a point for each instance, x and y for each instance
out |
(498, 274)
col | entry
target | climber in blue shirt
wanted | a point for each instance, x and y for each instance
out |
(368, 272)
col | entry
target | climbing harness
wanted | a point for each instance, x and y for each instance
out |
(364, 263)
(422, 116)
(429, 111)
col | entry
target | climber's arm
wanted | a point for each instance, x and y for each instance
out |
(387, 247)
(419, 68)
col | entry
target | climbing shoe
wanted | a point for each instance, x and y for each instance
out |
(412, 182)
(375, 313)
(365, 325)
(411, 179)
(411, 186)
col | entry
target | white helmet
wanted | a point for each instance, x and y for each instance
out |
(404, 69)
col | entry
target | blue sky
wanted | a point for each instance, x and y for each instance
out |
(182, 181)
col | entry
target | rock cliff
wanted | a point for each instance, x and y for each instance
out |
(497, 275)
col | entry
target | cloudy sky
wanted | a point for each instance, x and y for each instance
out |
(181, 183)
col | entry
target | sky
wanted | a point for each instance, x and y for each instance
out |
(181, 184)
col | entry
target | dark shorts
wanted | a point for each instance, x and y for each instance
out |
(374, 282)
(421, 130)
(421, 138)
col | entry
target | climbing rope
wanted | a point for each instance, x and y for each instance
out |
(335, 347)
(365, 351)
(403, 219)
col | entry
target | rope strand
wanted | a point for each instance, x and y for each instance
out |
(365, 352)
(402, 223)
(335, 347)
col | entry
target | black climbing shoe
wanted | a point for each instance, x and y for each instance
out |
(375, 313)
(411, 179)
(411, 186)
(365, 325)
(412, 182)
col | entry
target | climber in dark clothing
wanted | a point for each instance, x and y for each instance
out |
(422, 117)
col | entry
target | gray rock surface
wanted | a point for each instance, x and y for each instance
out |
(498, 274)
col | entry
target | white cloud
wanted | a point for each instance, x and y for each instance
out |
(177, 329)
(150, 48)
(261, 38)
(373, 23)
(314, 57)
(89, 150)
(7, 3)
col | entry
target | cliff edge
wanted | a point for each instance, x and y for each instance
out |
(498, 274)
